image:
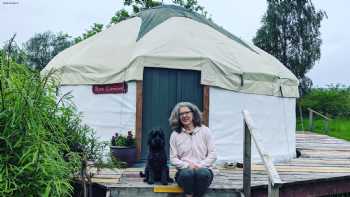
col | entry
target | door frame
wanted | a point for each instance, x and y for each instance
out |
(138, 124)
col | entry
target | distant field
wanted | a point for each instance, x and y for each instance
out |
(339, 128)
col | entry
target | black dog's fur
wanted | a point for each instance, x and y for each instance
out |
(156, 167)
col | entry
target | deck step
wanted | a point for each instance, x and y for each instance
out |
(150, 192)
(167, 189)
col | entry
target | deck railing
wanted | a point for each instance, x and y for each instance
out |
(325, 120)
(274, 181)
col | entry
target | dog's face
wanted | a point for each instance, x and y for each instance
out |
(156, 139)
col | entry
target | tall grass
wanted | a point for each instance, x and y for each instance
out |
(41, 141)
(338, 127)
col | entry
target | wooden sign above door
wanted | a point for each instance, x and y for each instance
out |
(115, 88)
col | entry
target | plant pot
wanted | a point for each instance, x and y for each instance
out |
(125, 154)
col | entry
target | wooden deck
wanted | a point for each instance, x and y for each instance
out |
(322, 169)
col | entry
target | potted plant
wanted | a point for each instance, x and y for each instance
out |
(123, 148)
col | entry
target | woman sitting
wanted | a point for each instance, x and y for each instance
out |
(192, 149)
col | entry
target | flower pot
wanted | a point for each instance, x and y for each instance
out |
(125, 154)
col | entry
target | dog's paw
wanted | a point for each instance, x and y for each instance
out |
(170, 180)
(142, 174)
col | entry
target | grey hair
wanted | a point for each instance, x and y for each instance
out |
(174, 119)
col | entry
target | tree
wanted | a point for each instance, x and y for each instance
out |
(95, 28)
(290, 32)
(333, 100)
(120, 15)
(60, 42)
(42, 47)
(38, 49)
(138, 5)
(192, 5)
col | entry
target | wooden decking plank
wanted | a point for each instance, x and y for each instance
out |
(319, 161)
(103, 180)
(306, 169)
(322, 158)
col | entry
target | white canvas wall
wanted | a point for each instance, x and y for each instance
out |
(273, 116)
(106, 113)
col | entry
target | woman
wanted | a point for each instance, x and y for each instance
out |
(192, 149)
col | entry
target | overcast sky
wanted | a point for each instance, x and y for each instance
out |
(240, 17)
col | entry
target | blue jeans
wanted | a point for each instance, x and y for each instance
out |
(194, 181)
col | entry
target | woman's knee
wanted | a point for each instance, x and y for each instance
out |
(186, 174)
(203, 174)
(185, 179)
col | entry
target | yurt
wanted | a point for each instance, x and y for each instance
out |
(130, 76)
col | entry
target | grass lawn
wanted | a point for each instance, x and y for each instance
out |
(339, 128)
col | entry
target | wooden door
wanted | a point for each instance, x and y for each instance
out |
(162, 89)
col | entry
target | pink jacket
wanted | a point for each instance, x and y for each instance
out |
(198, 148)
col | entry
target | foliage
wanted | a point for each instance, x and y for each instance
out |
(120, 140)
(42, 141)
(338, 127)
(60, 42)
(138, 5)
(17, 54)
(290, 32)
(334, 100)
(192, 5)
(120, 15)
(42, 47)
(95, 28)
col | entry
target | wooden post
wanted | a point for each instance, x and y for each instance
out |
(326, 127)
(273, 191)
(326, 120)
(250, 134)
(269, 187)
(301, 118)
(206, 105)
(310, 120)
(138, 129)
(246, 161)
(82, 175)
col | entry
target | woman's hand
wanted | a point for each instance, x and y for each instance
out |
(192, 164)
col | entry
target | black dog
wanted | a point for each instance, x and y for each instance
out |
(156, 167)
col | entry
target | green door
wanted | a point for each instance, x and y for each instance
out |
(162, 89)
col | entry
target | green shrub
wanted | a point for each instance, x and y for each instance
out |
(334, 100)
(41, 141)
